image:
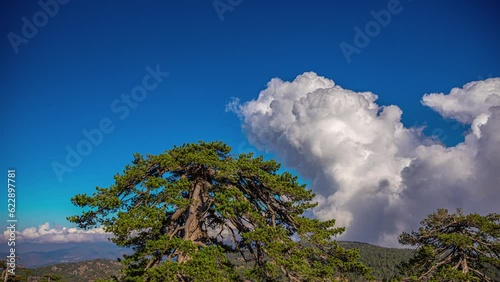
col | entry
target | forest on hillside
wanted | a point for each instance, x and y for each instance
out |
(382, 261)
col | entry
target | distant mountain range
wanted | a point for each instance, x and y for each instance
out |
(35, 255)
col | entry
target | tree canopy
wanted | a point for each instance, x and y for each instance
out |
(184, 210)
(454, 247)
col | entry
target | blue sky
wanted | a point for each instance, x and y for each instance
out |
(66, 77)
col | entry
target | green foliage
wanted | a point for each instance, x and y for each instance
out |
(454, 247)
(51, 277)
(382, 261)
(184, 210)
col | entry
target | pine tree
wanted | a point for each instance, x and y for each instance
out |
(184, 210)
(454, 247)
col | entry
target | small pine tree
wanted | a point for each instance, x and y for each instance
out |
(51, 277)
(454, 247)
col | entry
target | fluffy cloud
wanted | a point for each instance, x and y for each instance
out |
(46, 234)
(370, 172)
(467, 103)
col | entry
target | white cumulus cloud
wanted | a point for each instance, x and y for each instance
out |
(467, 103)
(46, 234)
(371, 173)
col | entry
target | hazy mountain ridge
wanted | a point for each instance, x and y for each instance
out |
(39, 256)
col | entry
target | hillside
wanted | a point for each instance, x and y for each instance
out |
(382, 260)
(82, 271)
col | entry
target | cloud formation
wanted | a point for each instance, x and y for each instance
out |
(46, 234)
(371, 173)
(467, 103)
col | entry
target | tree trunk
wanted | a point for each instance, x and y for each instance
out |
(6, 271)
(192, 230)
